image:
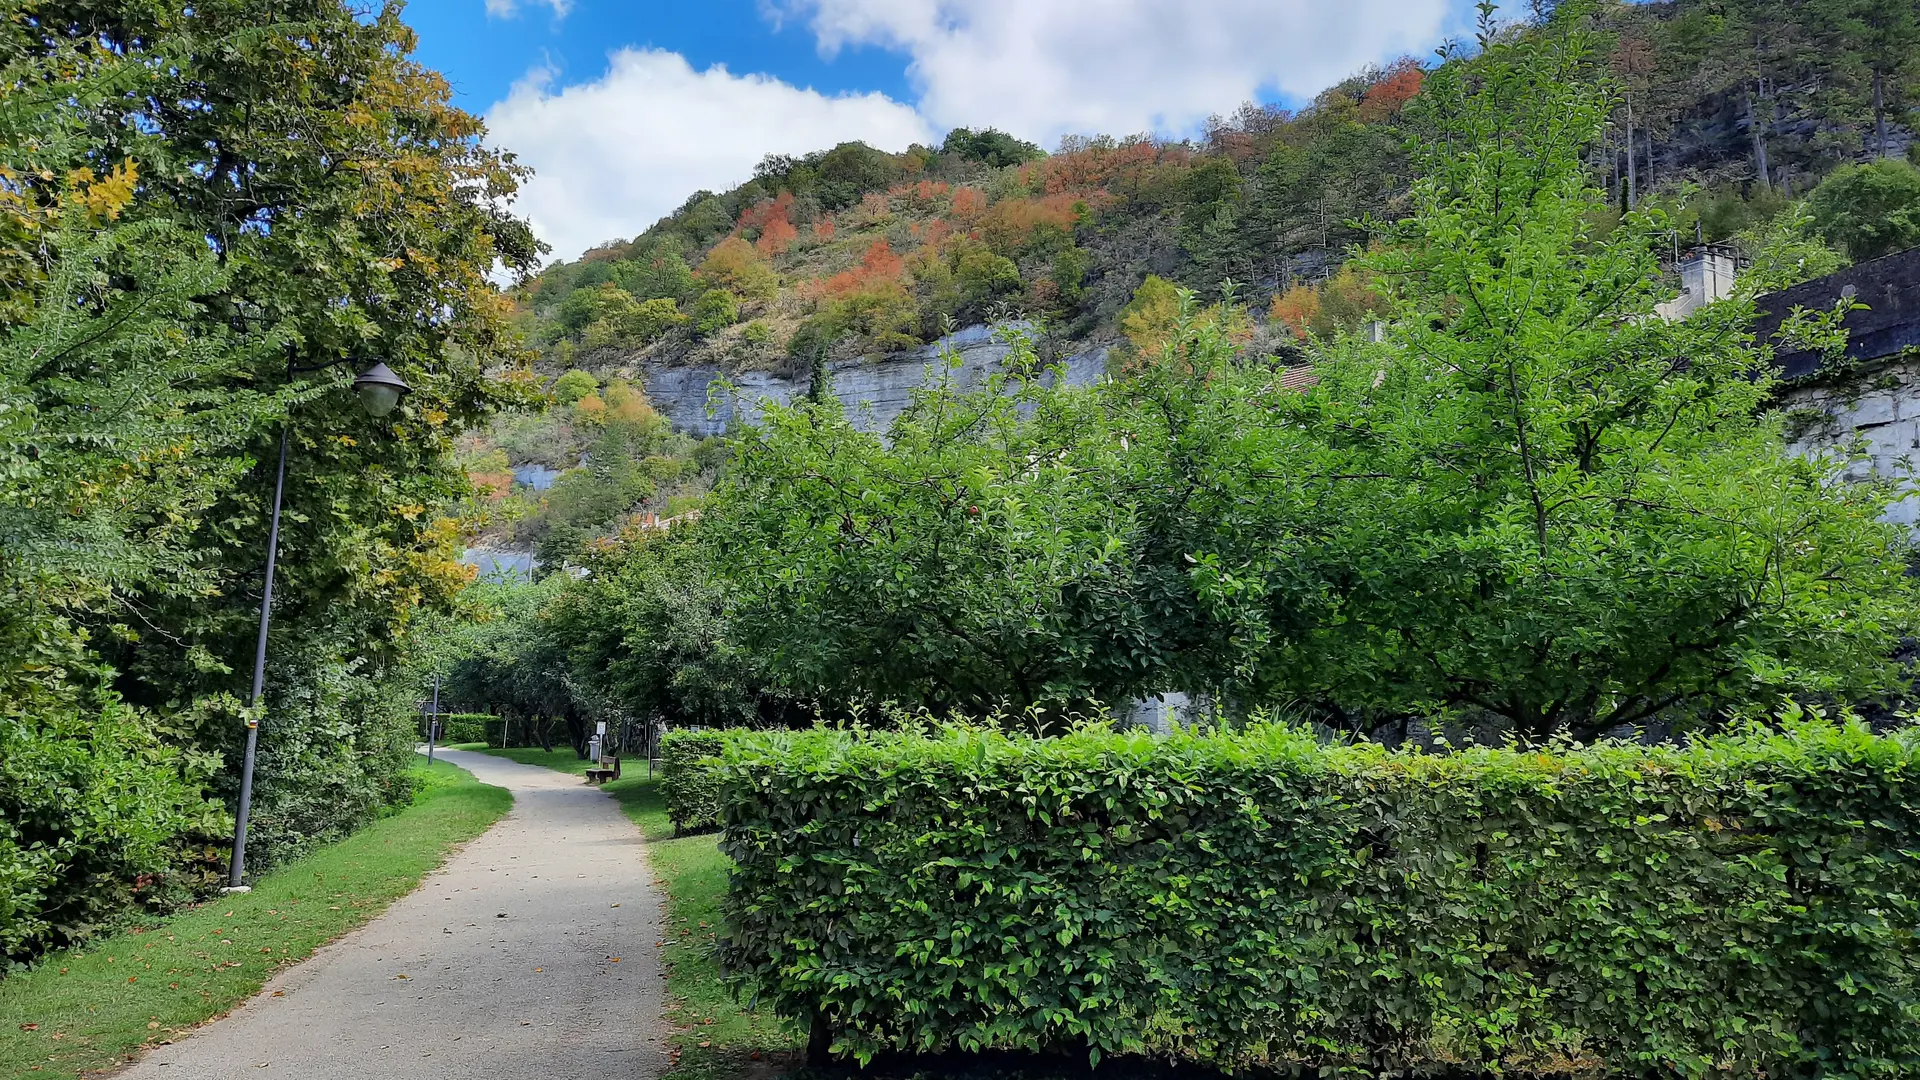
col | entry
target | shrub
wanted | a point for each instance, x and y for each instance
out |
(574, 385)
(689, 777)
(735, 266)
(465, 727)
(100, 820)
(1742, 905)
(716, 310)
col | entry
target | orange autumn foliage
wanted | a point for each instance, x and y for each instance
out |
(877, 266)
(1295, 309)
(968, 202)
(776, 236)
(823, 229)
(773, 217)
(492, 486)
(757, 215)
(1397, 86)
(1099, 167)
(1012, 223)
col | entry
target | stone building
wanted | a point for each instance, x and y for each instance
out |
(1870, 400)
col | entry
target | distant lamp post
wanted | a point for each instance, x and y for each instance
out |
(380, 390)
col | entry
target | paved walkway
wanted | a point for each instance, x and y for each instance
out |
(535, 994)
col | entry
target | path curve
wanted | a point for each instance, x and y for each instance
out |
(536, 994)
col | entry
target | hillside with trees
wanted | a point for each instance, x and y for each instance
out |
(1726, 110)
(1723, 114)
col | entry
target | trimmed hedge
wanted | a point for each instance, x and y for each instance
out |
(1740, 906)
(465, 727)
(690, 777)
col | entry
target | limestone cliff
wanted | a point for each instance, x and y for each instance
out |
(704, 400)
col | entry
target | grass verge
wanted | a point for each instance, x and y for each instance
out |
(713, 1037)
(87, 1009)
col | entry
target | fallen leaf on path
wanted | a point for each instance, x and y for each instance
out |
(279, 993)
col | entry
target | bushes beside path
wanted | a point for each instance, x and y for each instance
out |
(1743, 905)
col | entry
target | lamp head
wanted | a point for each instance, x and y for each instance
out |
(380, 389)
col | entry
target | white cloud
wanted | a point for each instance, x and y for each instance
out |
(1041, 68)
(507, 9)
(612, 156)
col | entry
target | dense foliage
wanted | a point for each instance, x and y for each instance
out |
(1523, 503)
(1737, 906)
(164, 168)
(1728, 108)
(690, 778)
(1534, 498)
(1870, 210)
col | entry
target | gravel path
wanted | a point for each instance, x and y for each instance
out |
(567, 985)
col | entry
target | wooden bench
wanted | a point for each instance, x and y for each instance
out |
(604, 770)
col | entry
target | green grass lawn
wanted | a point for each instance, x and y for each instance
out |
(84, 1009)
(714, 1038)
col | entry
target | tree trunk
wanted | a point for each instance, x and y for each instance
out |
(1633, 171)
(819, 1043)
(1880, 112)
(1760, 167)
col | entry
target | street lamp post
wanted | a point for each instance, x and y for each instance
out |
(379, 390)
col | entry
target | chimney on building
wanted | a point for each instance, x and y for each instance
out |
(1706, 275)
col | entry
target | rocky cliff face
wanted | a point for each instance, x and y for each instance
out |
(703, 400)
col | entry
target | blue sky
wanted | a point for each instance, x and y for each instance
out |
(484, 55)
(625, 107)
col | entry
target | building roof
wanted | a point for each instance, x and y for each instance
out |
(1890, 287)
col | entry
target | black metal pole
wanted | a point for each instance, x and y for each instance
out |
(433, 725)
(239, 864)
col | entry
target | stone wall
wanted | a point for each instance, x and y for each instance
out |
(1877, 409)
(696, 399)
(1872, 402)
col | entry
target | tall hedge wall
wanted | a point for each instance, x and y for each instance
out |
(690, 777)
(1743, 906)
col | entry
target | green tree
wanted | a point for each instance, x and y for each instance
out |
(716, 310)
(1883, 39)
(573, 385)
(649, 627)
(1869, 210)
(990, 147)
(343, 199)
(959, 562)
(1535, 501)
